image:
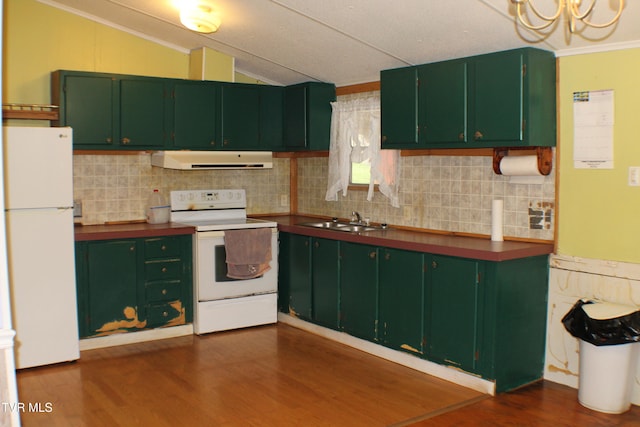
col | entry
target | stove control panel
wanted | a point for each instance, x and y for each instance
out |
(208, 199)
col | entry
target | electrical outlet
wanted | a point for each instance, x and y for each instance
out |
(77, 208)
(634, 176)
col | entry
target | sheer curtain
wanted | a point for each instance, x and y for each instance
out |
(355, 137)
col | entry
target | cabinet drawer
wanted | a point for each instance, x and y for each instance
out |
(163, 291)
(162, 247)
(160, 314)
(162, 270)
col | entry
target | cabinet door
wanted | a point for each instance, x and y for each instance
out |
(399, 107)
(452, 311)
(326, 279)
(401, 285)
(240, 116)
(498, 97)
(359, 290)
(297, 264)
(295, 117)
(89, 106)
(271, 117)
(443, 102)
(112, 286)
(142, 113)
(195, 115)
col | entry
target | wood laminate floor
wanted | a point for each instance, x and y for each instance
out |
(276, 376)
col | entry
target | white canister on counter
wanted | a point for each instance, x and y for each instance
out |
(157, 209)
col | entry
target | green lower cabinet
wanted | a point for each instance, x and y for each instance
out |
(107, 287)
(512, 350)
(452, 311)
(359, 290)
(294, 288)
(131, 284)
(401, 288)
(325, 282)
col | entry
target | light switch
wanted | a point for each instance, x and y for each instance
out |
(634, 176)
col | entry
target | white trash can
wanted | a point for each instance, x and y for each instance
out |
(607, 370)
(607, 374)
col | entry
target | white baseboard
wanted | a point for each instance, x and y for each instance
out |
(135, 337)
(440, 371)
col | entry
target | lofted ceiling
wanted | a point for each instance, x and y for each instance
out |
(349, 41)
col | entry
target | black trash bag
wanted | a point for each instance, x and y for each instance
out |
(618, 330)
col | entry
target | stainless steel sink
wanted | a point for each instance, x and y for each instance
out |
(343, 226)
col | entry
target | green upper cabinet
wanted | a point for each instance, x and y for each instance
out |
(142, 112)
(443, 102)
(271, 117)
(514, 99)
(240, 116)
(307, 115)
(109, 111)
(196, 111)
(399, 107)
(503, 99)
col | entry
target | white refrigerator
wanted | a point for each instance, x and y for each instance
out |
(38, 184)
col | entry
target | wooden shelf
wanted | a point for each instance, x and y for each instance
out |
(29, 112)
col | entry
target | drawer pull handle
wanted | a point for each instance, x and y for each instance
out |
(372, 255)
(132, 248)
(478, 135)
(164, 292)
(434, 264)
(126, 141)
(165, 314)
(163, 247)
(164, 269)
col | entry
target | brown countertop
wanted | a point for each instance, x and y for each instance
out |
(130, 231)
(440, 244)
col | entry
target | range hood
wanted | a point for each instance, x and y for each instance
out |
(206, 160)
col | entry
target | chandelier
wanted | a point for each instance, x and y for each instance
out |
(199, 16)
(574, 13)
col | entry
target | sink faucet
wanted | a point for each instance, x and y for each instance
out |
(356, 218)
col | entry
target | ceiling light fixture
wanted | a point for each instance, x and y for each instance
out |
(573, 14)
(200, 16)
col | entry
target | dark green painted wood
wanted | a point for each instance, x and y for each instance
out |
(112, 281)
(498, 102)
(88, 103)
(143, 274)
(511, 102)
(299, 267)
(443, 102)
(513, 346)
(453, 307)
(401, 289)
(399, 107)
(240, 116)
(271, 118)
(142, 113)
(325, 282)
(359, 290)
(196, 112)
(307, 115)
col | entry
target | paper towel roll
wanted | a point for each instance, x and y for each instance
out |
(497, 212)
(525, 168)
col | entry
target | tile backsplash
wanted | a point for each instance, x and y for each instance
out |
(447, 193)
(117, 187)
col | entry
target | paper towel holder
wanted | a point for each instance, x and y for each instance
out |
(544, 154)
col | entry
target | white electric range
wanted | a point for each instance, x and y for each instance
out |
(222, 303)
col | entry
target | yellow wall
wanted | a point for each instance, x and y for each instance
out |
(207, 64)
(39, 39)
(599, 214)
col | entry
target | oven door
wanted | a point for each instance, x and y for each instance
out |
(210, 270)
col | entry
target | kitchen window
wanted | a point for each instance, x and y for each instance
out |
(355, 156)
